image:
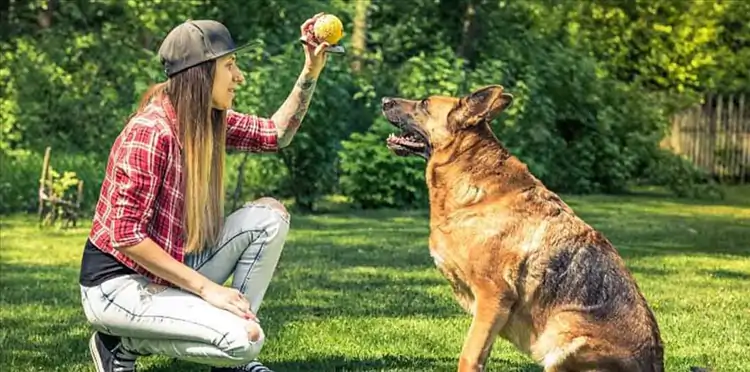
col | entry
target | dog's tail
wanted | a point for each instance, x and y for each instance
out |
(700, 369)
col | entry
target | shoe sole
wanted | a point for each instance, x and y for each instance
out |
(95, 354)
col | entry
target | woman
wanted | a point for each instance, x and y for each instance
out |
(159, 248)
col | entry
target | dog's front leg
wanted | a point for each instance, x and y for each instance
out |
(491, 311)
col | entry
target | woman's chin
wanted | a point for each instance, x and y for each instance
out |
(223, 106)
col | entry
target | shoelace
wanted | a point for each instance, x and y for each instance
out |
(124, 360)
(255, 367)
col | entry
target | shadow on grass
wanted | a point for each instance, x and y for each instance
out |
(42, 319)
(404, 246)
(323, 297)
(43, 285)
(726, 274)
(386, 363)
(638, 234)
(393, 363)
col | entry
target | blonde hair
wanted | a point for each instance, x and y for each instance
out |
(202, 132)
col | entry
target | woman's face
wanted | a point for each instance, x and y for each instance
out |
(226, 78)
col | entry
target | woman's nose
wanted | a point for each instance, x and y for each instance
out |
(239, 77)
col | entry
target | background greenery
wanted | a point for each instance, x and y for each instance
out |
(595, 83)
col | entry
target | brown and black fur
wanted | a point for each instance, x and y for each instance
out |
(517, 257)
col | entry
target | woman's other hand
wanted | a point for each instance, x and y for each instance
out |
(228, 299)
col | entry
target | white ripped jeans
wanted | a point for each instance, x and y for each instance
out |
(157, 320)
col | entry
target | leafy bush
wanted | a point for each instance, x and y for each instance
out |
(310, 159)
(579, 130)
(263, 175)
(680, 176)
(19, 178)
(584, 120)
(372, 176)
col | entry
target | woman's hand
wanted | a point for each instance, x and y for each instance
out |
(228, 299)
(315, 56)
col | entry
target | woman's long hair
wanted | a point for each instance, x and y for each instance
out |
(202, 132)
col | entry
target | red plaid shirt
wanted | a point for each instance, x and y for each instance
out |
(142, 192)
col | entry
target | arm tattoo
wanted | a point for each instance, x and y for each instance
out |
(289, 117)
(306, 83)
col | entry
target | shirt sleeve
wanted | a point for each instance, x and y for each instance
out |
(251, 133)
(138, 172)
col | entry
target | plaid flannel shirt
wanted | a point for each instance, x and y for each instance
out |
(142, 192)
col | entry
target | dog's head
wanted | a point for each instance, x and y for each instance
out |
(436, 121)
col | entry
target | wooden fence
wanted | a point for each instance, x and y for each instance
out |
(715, 136)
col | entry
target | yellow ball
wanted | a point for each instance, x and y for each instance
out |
(328, 28)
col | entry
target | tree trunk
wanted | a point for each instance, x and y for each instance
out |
(465, 50)
(359, 35)
(44, 18)
(468, 33)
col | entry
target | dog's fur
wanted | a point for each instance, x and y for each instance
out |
(517, 257)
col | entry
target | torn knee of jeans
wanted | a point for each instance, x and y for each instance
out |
(254, 332)
(272, 203)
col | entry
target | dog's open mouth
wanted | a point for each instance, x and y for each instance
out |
(409, 141)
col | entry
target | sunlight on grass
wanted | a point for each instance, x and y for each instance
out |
(357, 291)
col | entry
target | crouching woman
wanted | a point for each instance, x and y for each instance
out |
(160, 249)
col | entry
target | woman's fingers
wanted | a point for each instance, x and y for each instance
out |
(243, 303)
(321, 48)
(307, 26)
(251, 316)
(236, 303)
(244, 306)
(236, 310)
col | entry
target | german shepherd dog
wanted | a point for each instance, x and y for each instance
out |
(517, 257)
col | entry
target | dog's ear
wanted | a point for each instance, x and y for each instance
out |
(483, 104)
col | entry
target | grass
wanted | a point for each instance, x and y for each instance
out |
(357, 291)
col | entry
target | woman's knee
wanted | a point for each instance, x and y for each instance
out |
(250, 341)
(269, 214)
(274, 204)
(254, 332)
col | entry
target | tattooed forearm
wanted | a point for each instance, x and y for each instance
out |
(289, 117)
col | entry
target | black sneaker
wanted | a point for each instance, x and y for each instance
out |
(252, 367)
(109, 355)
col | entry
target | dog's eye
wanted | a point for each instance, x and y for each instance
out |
(423, 104)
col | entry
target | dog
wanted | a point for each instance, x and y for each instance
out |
(517, 257)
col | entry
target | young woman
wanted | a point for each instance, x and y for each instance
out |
(160, 249)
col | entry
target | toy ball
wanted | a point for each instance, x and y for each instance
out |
(328, 28)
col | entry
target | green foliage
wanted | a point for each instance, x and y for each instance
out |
(680, 176)
(263, 175)
(310, 159)
(71, 86)
(19, 178)
(595, 82)
(660, 45)
(372, 176)
(62, 186)
(578, 130)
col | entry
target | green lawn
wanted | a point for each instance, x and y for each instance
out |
(358, 291)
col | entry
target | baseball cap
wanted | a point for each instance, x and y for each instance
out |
(194, 42)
